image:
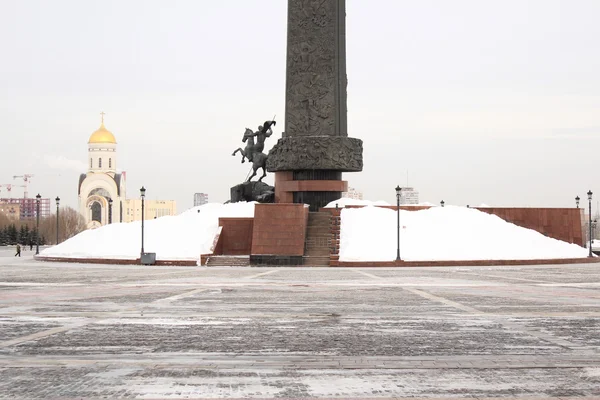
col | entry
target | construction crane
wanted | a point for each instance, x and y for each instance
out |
(24, 190)
(8, 187)
(26, 179)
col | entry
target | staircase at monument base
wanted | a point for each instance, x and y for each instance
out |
(228, 261)
(317, 246)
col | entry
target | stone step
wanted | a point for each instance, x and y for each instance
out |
(319, 225)
(318, 232)
(317, 253)
(318, 222)
(317, 245)
(228, 261)
(316, 261)
(318, 241)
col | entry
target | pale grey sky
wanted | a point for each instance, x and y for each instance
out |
(481, 101)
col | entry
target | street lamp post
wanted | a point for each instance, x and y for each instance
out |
(442, 203)
(589, 193)
(398, 190)
(577, 201)
(110, 201)
(37, 225)
(142, 195)
(57, 205)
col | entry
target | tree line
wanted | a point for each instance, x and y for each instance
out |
(24, 232)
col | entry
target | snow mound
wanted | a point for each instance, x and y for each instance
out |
(367, 234)
(182, 237)
(443, 233)
(346, 201)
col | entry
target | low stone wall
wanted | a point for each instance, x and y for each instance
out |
(558, 223)
(181, 263)
(465, 263)
(339, 264)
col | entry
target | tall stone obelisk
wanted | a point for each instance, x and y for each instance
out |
(315, 149)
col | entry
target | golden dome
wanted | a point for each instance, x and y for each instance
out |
(102, 135)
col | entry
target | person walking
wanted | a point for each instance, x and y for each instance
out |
(18, 250)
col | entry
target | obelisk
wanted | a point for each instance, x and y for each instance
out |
(315, 149)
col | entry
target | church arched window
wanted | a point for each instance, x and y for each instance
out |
(96, 212)
(100, 163)
(91, 163)
(110, 163)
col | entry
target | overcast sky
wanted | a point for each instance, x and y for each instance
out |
(494, 102)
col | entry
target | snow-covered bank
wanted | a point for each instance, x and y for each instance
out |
(346, 201)
(183, 237)
(443, 233)
(367, 234)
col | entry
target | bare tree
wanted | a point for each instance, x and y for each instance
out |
(70, 223)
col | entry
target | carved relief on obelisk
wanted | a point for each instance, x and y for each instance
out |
(315, 149)
(316, 136)
(312, 71)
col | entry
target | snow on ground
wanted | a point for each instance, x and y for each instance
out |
(182, 237)
(346, 201)
(443, 233)
(367, 234)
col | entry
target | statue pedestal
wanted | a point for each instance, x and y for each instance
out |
(298, 187)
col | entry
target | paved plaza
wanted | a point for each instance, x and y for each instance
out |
(73, 331)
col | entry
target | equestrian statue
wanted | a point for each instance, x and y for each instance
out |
(253, 152)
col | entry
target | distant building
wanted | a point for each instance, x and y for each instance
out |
(152, 209)
(102, 190)
(409, 196)
(200, 199)
(352, 193)
(24, 208)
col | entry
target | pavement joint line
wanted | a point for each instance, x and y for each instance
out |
(368, 274)
(534, 332)
(179, 296)
(506, 277)
(445, 301)
(324, 283)
(39, 335)
(263, 274)
(298, 365)
(573, 284)
(503, 320)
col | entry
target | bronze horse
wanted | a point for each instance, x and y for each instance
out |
(253, 152)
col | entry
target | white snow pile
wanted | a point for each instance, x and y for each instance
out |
(367, 234)
(443, 233)
(182, 237)
(346, 201)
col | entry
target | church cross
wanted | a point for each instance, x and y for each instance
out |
(102, 114)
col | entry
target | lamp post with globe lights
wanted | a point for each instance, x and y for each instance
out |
(57, 209)
(589, 194)
(143, 196)
(38, 198)
(577, 201)
(442, 203)
(398, 190)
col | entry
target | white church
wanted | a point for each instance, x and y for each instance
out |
(103, 191)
